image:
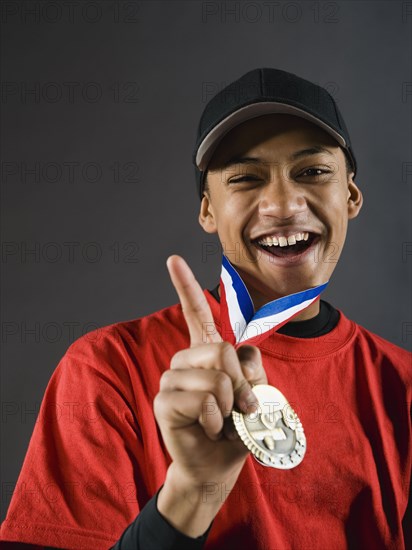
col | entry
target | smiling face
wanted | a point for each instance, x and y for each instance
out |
(279, 196)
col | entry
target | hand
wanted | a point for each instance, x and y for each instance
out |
(193, 410)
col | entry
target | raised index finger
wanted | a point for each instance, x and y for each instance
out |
(195, 307)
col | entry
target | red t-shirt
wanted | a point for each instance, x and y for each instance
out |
(96, 456)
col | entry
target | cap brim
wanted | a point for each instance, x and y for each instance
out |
(212, 139)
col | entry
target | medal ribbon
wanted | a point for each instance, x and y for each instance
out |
(239, 320)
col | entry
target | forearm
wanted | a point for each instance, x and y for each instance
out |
(151, 531)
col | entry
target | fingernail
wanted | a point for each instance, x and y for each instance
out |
(249, 402)
(230, 431)
(250, 370)
(232, 435)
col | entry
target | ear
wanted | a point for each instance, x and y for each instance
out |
(206, 215)
(355, 198)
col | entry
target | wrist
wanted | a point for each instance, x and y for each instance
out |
(189, 506)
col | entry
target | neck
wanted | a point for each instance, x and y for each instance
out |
(308, 313)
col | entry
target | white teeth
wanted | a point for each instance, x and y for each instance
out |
(284, 241)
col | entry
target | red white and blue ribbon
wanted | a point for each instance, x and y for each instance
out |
(239, 320)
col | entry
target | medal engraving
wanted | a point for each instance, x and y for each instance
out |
(274, 434)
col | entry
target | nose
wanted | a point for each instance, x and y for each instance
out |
(282, 198)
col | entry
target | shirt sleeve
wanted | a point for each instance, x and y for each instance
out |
(151, 531)
(83, 480)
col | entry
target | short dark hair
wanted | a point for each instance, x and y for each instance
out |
(348, 164)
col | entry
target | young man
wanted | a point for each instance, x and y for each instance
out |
(276, 172)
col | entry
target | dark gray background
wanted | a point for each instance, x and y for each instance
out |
(141, 73)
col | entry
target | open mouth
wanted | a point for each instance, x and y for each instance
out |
(290, 247)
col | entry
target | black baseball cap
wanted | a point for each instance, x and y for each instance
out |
(260, 92)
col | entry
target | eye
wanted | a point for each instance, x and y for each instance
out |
(314, 172)
(245, 178)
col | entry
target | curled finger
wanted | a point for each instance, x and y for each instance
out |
(197, 409)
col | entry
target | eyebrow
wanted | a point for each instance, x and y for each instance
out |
(315, 150)
(243, 160)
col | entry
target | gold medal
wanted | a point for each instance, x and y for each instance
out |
(274, 434)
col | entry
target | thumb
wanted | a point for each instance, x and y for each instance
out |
(251, 363)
